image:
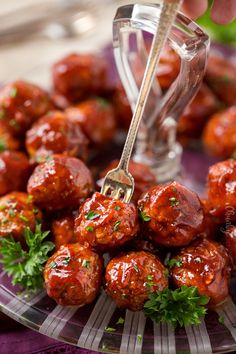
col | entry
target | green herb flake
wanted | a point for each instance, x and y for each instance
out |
(89, 228)
(5, 220)
(66, 260)
(11, 213)
(139, 338)
(14, 124)
(166, 273)
(173, 201)
(221, 319)
(233, 156)
(23, 218)
(92, 215)
(117, 207)
(13, 92)
(52, 265)
(3, 145)
(120, 321)
(136, 268)
(86, 263)
(183, 306)
(102, 103)
(116, 225)
(109, 329)
(123, 296)
(144, 216)
(174, 262)
(2, 207)
(29, 199)
(35, 210)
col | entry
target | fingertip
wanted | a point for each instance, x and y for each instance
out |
(194, 8)
(222, 14)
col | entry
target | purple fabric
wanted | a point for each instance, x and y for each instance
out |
(21, 340)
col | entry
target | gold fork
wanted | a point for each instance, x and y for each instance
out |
(119, 183)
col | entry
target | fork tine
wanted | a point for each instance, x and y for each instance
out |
(105, 189)
(128, 195)
(116, 193)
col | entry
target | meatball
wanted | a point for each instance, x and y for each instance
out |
(54, 133)
(143, 177)
(17, 212)
(7, 140)
(122, 107)
(221, 77)
(105, 223)
(73, 275)
(63, 230)
(60, 183)
(222, 191)
(96, 118)
(194, 118)
(131, 277)
(205, 264)
(173, 214)
(14, 171)
(21, 103)
(230, 242)
(219, 136)
(79, 75)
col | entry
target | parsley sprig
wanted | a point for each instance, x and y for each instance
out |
(26, 267)
(183, 306)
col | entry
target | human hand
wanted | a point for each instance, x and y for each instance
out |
(222, 11)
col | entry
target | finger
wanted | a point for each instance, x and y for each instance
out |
(223, 11)
(194, 8)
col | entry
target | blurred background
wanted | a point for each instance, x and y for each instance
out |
(34, 32)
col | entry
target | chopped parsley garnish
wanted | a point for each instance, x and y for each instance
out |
(221, 319)
(150, 282)
(233, 156)
(136, 268)
(2, 207)
(3, 145)
(117, 207)
(174, 262)
(35, 210)
(102, 102)
(116, 225)
(29, 199)
(52, 265)
(11, 213)
(123, 296)
(109, 329)
(23, 218)
(120, 321)
(86, 263)
(144, 216)
(14, 124)
(89, 228)
(5, 220)
(26, 267)
(173, 201)
(139, 338)
(183, 306)
(92, 215)
(66, 260)
(13, 92)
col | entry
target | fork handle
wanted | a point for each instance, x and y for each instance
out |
(168, 13)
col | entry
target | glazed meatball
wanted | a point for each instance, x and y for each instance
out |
(194, 118)
(173, 214)
(106, 223)
(219, 136)
(60, 183)
(144, 179)
(96, 118)
(14, 171)
(205, 264)
(7, 140)
(222, 190)
(79, 75)
(21, 103)
(17, 212)
(63, 230)
(73, 275)
(221, 77)
(122, 107)
(131, 277)
(230, 242)
(54, 133)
